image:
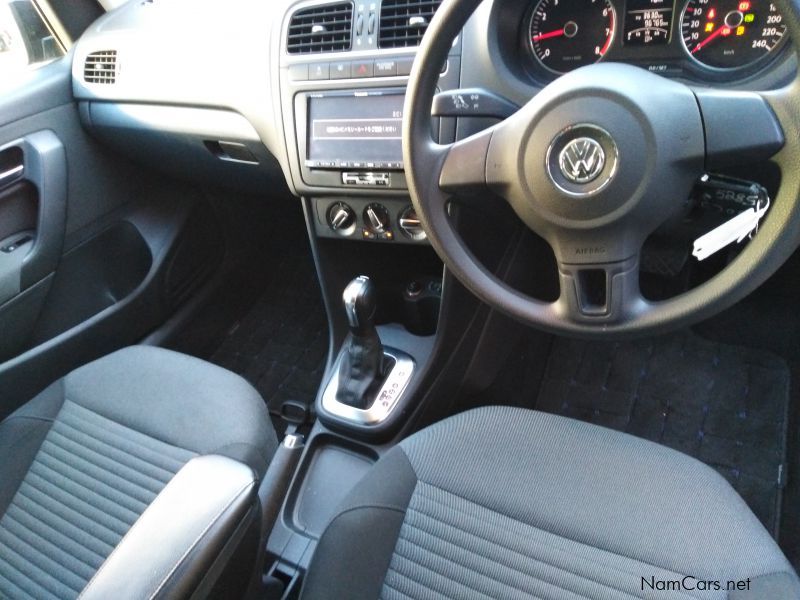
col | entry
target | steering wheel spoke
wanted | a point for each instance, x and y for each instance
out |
(600, 293)
(740, 128)
(464, 167)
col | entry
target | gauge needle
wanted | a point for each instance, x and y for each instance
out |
(702, 44)
(549, 34)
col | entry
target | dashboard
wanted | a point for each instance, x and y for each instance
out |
(309, 93)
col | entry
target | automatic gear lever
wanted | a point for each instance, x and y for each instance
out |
(361, 369)
(360, 305)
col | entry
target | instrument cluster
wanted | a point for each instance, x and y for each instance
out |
(717, 39)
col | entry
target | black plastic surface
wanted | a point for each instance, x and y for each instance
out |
(472, 102)
(93, 277)
(329, 469)
(725, 113)
(121, 323)
(44, 167)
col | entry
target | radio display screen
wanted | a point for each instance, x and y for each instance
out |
(355, 129)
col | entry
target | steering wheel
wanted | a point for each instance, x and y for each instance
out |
(593, 164)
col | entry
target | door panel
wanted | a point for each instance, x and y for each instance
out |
(29, 255)
(99, 251)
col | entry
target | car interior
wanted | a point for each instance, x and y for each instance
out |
(399, 299)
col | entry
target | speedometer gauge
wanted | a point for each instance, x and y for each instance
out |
(567, 34)
(730, 34)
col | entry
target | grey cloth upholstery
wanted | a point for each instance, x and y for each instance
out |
(509, 503)
(84, 459)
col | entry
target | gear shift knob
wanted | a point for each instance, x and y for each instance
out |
(361, 365)
(359, 304)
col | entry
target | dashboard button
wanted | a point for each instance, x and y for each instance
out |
(404, 65)
(319, 71)
(364, 68)
(298, 72)
(360, 24)
(371, 25)
(385, 68)
(340, 70)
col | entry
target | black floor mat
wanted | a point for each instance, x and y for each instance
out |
(281, 344)
(725, 405)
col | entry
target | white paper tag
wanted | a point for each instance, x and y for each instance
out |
(735, 230)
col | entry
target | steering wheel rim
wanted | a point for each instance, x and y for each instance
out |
(434, 172)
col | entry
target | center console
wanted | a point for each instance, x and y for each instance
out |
(342, 113)
(342, 101)
(344, 68)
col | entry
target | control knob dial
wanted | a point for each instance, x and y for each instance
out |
(377, 218)
(341, 218)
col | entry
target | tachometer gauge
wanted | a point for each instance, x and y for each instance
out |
(567, 34)
(730, 34)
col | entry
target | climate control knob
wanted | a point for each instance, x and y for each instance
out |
(377, 219)
(410, 224)
(341, 218)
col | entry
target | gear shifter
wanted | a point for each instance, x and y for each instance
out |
(361, 369)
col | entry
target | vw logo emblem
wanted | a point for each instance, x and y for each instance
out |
(582, 160)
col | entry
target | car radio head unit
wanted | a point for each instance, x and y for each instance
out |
(351, 138)
(355, 130)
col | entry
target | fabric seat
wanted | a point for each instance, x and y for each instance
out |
(510, 503)
(136, 470)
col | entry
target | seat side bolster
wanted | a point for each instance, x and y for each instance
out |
(771, 585)
(21, 436)
(178, 538)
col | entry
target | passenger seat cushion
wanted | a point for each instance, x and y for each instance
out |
(89, 482)
(506, 502)
(86, 458)
(597, 487)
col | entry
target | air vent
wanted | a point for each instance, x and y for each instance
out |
(327, 28)
(403, 22)
(101, 67)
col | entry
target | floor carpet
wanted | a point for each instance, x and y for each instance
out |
(280, 345)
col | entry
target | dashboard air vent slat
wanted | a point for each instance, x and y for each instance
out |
(100, 67)
(326, 28)
(403, 22)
